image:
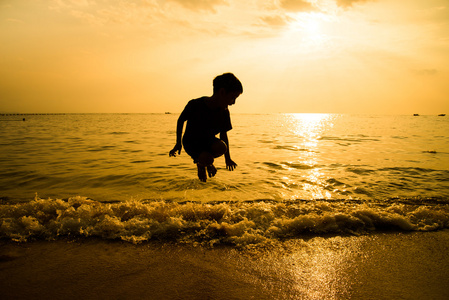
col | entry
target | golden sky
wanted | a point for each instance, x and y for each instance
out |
(302, 56)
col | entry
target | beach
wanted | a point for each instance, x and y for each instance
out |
(376, 266)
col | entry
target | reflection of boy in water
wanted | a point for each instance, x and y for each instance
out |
(206, 117)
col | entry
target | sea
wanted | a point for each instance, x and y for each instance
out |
(320, 206)
(109, 176)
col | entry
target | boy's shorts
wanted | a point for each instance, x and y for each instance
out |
(195, 147)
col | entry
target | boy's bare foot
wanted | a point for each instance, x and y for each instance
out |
(211, 170)
(201, 172)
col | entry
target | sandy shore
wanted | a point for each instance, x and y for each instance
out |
(380, 266)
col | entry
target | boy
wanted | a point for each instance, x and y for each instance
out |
(206, 117)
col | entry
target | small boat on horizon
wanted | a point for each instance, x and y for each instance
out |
(441, 115)
(416, 115)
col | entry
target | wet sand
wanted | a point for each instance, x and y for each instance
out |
(379, 266)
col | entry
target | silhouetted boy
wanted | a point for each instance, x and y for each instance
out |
(206, 117)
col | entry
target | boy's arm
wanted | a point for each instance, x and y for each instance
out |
(230, 164)
(179, 128)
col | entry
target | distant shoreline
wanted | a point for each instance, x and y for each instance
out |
(3, 114)
(30, 114)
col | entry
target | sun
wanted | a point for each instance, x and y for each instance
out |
(312, 27)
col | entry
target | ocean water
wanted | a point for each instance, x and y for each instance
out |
(110, 176)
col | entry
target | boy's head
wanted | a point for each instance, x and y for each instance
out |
(228, 82)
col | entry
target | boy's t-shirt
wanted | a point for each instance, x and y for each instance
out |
(204, 123)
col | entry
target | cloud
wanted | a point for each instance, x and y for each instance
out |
(279, 15)
(297, 5)
(426, 72)
(62, 4)
(12, 20)
(208, 5)
(100, 13)
(87, 17)
(438, 13)
(275, 21)
(349, 3)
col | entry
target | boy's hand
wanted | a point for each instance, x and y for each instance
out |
(230, 164)
(177, 148)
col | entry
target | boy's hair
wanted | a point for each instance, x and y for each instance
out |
(229, 82)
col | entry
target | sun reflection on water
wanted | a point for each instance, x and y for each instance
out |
(306, 132)
(310, 125)
(322, 268)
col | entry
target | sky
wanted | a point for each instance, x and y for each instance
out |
(292, 56)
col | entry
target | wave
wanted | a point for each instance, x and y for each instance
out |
(292, 148)
(235, 223)
(288, 165)
(352, 138)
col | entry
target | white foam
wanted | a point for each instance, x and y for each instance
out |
(238, 223)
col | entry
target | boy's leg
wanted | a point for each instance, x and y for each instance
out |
(206, 160)
(201, 172)
(211, 171)
(218, 148)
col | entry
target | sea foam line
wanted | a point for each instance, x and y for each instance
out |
(236, 223)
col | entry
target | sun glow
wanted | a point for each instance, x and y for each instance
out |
(311, 26)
